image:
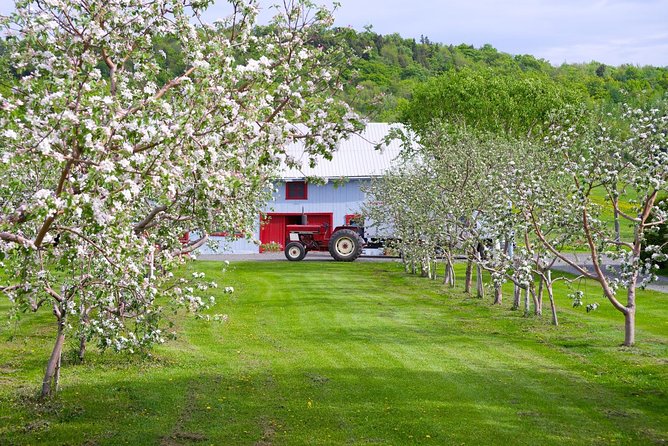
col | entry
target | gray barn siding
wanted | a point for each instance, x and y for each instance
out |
(232, 246)
(345, 199)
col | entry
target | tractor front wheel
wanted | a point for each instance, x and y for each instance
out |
(295, 251)
(345, 245)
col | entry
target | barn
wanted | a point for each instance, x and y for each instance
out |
(336, 202)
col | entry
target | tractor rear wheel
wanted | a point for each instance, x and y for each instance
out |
(345, 245)
(295, 251)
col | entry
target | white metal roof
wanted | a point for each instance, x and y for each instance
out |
(355, 157)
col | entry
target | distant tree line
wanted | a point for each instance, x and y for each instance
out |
(388, 70)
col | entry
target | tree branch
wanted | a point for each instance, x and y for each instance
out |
(558, 254)
(619, 243)
(139, 227)
(53, 294)
(615, 205)
(655, 223)
(168, 86)
(89, 241)
(191, 246)
(112, 70)
(14, 238)
(597, 267)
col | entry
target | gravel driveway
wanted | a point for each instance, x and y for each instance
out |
(584, 261)
(273, 256)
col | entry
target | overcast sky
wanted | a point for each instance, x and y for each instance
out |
(609, 31)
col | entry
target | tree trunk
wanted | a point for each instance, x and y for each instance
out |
(516, 297)
(82, 339)
(537, 299)
(630, 327)
(468, 280)
(449, 271)
(526, 301)
(630, 315)
(480, 291)
(541, 287)
(151, 264)
(616, 215)
(498, 295)
(550, 294)
(82, 348)
(52, 375)
(424, 268)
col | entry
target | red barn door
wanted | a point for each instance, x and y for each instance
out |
(272, 229)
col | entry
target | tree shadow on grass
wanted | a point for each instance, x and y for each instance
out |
(334, 405)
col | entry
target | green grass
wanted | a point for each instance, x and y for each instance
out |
(327, 353)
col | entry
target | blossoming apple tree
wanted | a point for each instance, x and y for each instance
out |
(104, 168)
(590, 165)
(596, 165)
(437, 199)
(543, 197)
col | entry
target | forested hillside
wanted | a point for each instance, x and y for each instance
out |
(389, 68)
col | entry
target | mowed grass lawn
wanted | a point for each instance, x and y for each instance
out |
(327, 353)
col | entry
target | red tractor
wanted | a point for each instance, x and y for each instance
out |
(344, 243)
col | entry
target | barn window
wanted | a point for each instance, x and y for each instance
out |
(296, 190)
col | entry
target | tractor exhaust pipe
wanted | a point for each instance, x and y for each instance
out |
(304, 218)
